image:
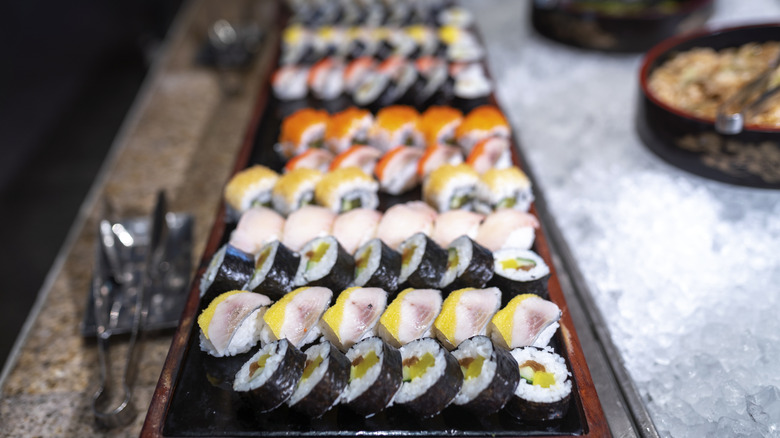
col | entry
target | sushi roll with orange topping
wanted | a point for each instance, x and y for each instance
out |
(295, 189)
(347, 128)
(362, 156)
(505, 188)
(397, 170)
(302, 130)
(481, 123)
(436, 156)
(438, 124)
(250, 187)
(396, 125)
(345, 189)
(451, 187)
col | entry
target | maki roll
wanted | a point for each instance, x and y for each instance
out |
(270, 377)
(505, 188)
(423, 262)
(296, 315)
(356, 227)
(528, 320)
(356, 72)
(250, 187)
(289, 82)
(436, 156)
(452, 224)
(436, 86)
(324, 262)
(354, 316)
(229, 269)
(469, 264)
(472, 87)
(275, 271)
(326, 79)
(347, 128)
(256, 227)
(397, 170)
(490, 376)
(466, 313)
(404, 81)
(431, 378)
(295, 189)
(317, 159)
(507, 229)
(325, 375)
(374, 376)
(451, 187)
(520, 271)
(377, 265)
(462, 45)
(480, 123)
(345, 189)
(302, 130)
(232, 322)
(410, 316)
(455, 16)
(544, 390)
(396, 125)
(402, 220)
(424, 39)
(490, 153)
(305, 224)
(361, 156)
(371, 88)
(438, 124)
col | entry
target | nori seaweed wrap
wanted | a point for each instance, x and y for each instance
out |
(377, 265)
(229, 269)
(423, 262)
(519, 271)
(324, 262)
(270, 377)
(275, 272)
(325, 376)
(469, 264)
(375, 376)
(544, 390)
(490, 375)
(431, 378)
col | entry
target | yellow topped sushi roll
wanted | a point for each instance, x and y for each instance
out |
(396, 125)
(438, 124)
(451, 187)
(505, 188)
(466, 313)
(250, 187)
(295, 189)
(232, 322)
(353, 316)
(482, 122)
(347, 128)
(527, 320)
(410, 316)
(296, 315)
(345, 189)
(302, 130)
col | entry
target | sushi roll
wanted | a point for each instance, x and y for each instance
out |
(296, 45)
(275, 271)
(295, 189)
(377, 265)
(469, 264)
(490, 153)
(346, 189)
(324, 262)
(438, 125)
(370, 89)
(354, 316)
(296, 315)
(229, 269)
(410, 316)
(397, 170)
(356, 227)
(302, 130)
(317, 159)
(375, 376)
(232, 323)
(403, 79)
(472, 87)
(462, 45)
(250, 187)
(357, 70)
(527, 320)
(455, 16)
(396, 125)
(328, 39)
(480, 123)
(256, 227)
(466, 313)
(507, 229)
(423, 262)
(431, 378)
(436, 85)
(325, 375)
(361, 156)
(520, 271)
(436, 156)
(544, 390)
(289, 82)
(402, 220)
(452, 224)
(270, 376)
(490, 376)
(451, 187)
(505, 188)
(305, 224)
(347, 128)
(424, 40)
(326, 79)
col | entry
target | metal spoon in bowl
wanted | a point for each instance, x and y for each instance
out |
(748, 101)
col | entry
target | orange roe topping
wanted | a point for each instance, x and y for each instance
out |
(294, 126)
(434, 119)
(393, 117)
(483, 118)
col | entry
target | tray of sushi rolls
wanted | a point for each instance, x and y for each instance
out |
(377, 266)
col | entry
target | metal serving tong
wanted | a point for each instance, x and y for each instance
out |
(108, 297)
(748, 101)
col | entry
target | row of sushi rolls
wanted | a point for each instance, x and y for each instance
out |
(431, 303)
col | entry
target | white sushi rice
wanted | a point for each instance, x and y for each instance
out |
(417, 243)
(357, 387)
(363, 191)
(540, 270)
(522, 195)
(405, 134)
(212, 270)
(374, 248)
(290, 82)
(306, 385)
(246, 336)
(462, 184)
(262, 270)
(473, 347)
(411, 390)
(245, 382)
(462, 247)
(552, 363)
(306, 274)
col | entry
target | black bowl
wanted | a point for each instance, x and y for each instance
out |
(581, 26)
(750, 158)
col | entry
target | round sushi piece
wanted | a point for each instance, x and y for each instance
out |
(505, 188)
(377, 265)
(455, 223)
(396, 125)
(507, 229)
(451, 187)
(324, 262)
(232, 323)
(544, 390)
(289, 82)
(296, 315)
(356, 72)
(371, 88)
(466, 313)
(431, 378)
(423, 262)
(437, 85)
(317, 159)
(256, 227)
(455, 16)
(436, 156)
(410, 316)
(302, 130)
(296, 44)
(481, 123)
(326, 79)
(490, 376)
(425, 40)
(397, 170)
(229, 269)
(354, 316)
(462, 45)
(249, 187)
(375, 376)
(490, 153)
(305, 224)
(361, 156)
(402, 220)
(345, 189)
(403, 85)
(518, 272)
(325, 375)
(295, 189)
(347, 128)
(472, 87)
(270, 376)
(527, 320)
(469, 264)
(356, 227)
(275, 270)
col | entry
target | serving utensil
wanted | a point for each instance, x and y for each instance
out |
(749, 100)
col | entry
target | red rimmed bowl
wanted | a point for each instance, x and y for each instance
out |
(582, 25)
(749, 158)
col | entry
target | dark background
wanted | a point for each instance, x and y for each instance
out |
(69, 74)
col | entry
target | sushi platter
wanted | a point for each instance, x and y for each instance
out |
(378, 266)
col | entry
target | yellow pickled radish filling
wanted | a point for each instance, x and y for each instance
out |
(471, 366)
(311, 365)
(362, 364)
(536, 374)
(518, 263)
(503, 320)
(257, 367)
(204, 319)
(362, 262)
(415, 367)
(406, 257)
(314, 256)
(452, 259)
(263, 256)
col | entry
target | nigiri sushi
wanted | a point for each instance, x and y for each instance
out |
(289, 82)
(232, 323)
(249, 187)
(490, 153)
(402, 220)
(526, 320)
(354, 316)
(295, 189)
(302, 130)
(326, 79)
(356, 227)
(361, 156)
(317, 159)
(507, 229)
(295, 316)
(397, 170)
(305, 224)
(466, 313)
(410, 316)
(257, 226)
(452, 224)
